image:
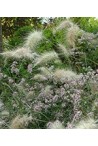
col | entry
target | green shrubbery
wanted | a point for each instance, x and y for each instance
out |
(18, 37)
(89, 24)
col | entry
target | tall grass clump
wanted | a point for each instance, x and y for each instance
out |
(33, 39)
(49, 82)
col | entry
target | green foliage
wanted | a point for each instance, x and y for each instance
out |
(48, 42)
(11, 24)
(19, 36)
(89, 24)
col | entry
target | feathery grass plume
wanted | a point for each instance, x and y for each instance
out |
(87, 124)
(63, 75)
(33, 39)
(46, 58)
(71, 35)
(21, 89)
(63, 25)
(40, 77)
(20, 122)
(19, 53)
(47, 90)
(46, 72)
(94, 86)
(30, 95)
(63, 50)
(55, 125)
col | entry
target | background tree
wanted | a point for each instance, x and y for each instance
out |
(12, 24)
(89, 24)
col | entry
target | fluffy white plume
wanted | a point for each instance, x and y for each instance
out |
(55, 125)
(40, 77)
(63, 50)
(46, 72)
(46, 58)
(33, 39)
(47, 90)
(87, 124)
(71, 35)
(30, 95)
(63, 75)
(63, 25)
(20, 122)
(19, 53)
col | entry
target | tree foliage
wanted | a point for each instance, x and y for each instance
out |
(89, 24)
(12, 24)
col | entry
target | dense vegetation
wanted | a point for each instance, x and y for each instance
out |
(49, 74)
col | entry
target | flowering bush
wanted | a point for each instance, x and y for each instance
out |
(45, 89)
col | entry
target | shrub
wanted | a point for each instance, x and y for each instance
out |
(43, 83)
(19, 36)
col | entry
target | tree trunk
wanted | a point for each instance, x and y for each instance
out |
(0, 37)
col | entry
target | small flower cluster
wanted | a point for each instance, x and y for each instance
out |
(53, 98)
(14, 68)
(29, 68)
